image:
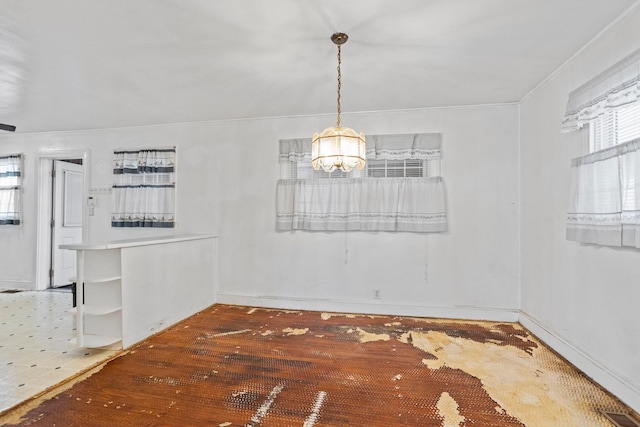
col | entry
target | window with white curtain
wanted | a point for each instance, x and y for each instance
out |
(10, 189)
(144, 188)
(397, 190)
(604, 201)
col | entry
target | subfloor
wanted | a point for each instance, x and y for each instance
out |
(35, 354)
(241, 366)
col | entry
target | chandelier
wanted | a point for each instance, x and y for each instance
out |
(338, 147)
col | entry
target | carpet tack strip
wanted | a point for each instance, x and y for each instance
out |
(242, 366)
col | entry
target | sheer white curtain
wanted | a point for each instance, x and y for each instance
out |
(604, 201)
(10, 184)
(370, 204)
(630, 199)
(144, 191)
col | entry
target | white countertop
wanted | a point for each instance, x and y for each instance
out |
(127, 243)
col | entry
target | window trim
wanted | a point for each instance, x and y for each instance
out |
(18, 172)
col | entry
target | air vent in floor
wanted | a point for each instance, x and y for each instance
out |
(620, 420)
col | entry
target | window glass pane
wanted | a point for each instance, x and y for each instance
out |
(414, 168)
(432, 167)
(395, 173)
(616, 126)
(376, 173)
(336, 174)
(628, 123)
(414, 173)
(303, 170)
(395, 164)
(376, 168)
(8, 181)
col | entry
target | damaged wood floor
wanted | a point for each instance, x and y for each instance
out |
(241, 366)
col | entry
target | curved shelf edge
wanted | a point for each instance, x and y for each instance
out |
(96, 341)
(96, 280)
(95, 310)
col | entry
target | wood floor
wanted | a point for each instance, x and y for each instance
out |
(242, 366)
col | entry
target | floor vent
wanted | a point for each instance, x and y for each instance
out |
(10, 291)
(620, 419)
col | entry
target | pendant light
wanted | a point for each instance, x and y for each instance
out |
(338, 147)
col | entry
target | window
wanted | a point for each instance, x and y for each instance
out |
(381, 168)
(615, 127)
(144, 188)
(10, 189)
(399, 190)
(604, 201)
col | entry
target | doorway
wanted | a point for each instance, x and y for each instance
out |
(66, 219)
(62, 191)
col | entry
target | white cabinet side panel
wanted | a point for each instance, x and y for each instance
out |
(163, 284)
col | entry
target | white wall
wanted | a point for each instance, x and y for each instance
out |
(471, 271)
(583, 300)
(227, 173)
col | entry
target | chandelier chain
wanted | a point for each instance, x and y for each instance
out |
(339, 84)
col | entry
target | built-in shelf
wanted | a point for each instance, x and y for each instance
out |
(95, 310)
(96, 341)
(121, 300)
(101, 279)
(98, 308)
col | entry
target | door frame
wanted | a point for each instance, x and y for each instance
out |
(44, 165)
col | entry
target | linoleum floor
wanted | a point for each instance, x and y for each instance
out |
(35, 353)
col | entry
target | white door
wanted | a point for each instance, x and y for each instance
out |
(67, 220)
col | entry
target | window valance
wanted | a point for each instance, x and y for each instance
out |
(144, 161)
(617, 86)
(421, 146)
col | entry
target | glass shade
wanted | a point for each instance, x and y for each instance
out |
(338, 148)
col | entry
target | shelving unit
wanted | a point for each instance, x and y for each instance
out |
(99, 301)
(128, 290)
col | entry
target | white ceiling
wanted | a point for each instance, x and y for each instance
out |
(84, 64)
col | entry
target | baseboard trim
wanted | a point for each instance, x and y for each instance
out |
(617, 384)
(346, 306)
(23, 285)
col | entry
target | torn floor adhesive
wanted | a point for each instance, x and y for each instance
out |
(242, 366)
